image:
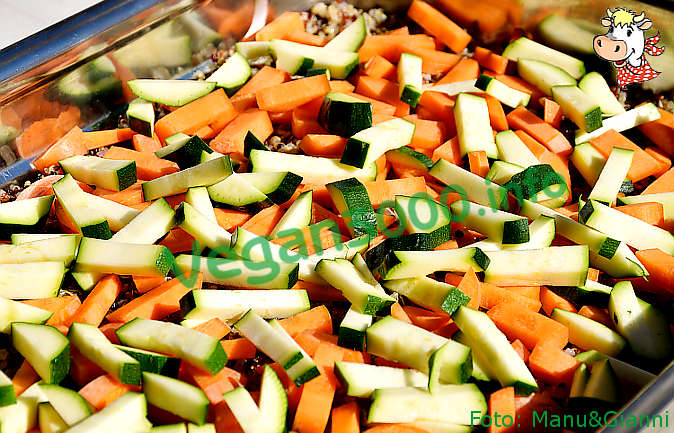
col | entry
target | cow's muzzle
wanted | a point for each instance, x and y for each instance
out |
(609, 49)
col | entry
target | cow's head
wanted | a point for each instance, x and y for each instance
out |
(624, 40)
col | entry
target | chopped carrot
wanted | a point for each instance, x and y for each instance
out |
(310, 340)
(449, 151)
(522, 351)
(643, 164)
(501, 404)
(597, 314)
(552, 112)
(304, 37)
(438, 104)
(230, 139)
(660, 156)
(649, 212)
(382, 90)
(429, 320)
(533, 292)
(213, 385)
(244, 98)
(263, 222)
(497, 116)
(224, 419)
(490, 60)
(661, 131)
(428, 134)
(391, 46)
(381, 191)
(467, 69)
(309, 240)
(494, 295)
(488, 17)
(158, 302)
(434, 62)
(142, 143)
(145, 284)
(24, 377)
(178, 240)
(342, 86)
(188, 119)
(229, 219)
(110, 331)
(664, 183)
(449, 245)
(108, 137)
(130, 196)
(286, 96)
(472, 288)
(239, 348)
(214, 327)
(592, 274)
(74, 142)
(551, 300)
(325, 145)
(63, 308)
(378, 107)
(103, 390)
(554, 140)
(317, 318)
(37, 137)
(319, 292)
(478, 162)
(379, 67)
(282, 25)
(528, 326)
(661, 267)
(437, 24)
(534, 404)
(82, 370)
(304, 122)
(99, 301)
(551, 364)
(399, 313)
(148, 165)
(345, 418)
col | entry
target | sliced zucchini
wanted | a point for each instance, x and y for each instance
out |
(364, 147)
(198, 349)
(94, 345)
(177, 397)
(312, 169)
(406, 264)
(620, 122)
(442, 365)
(241, 273)
(60, 249)
(111, 174)
(140, 115)
(174, 93)
(469, 186)
(409, 79)
(45, 348)
(578, 107)
(472, 125)
(429, 293)
(252, 50)
(236, 192)
(414, 162)
(366, 298)
(539, 183)
(666, 199)
(594, 85)
(344, 115)
(352, 329)
(376, 256)
(528, 49)
(481, 370)
(351, 38)
(501, 172)
(127, 413)
(497, 225)
(541, 234)
(513, 98)
(543, 75)
(296, 217)
(513, 150)
(353, 204)
(204, 174)
(623, 264)
(631, 377)
(296, 58)
(565, 34)
(176, 139)
(588, 161)
(612, 176)
(487, 340)
(362, 380)
(31, 280)
(553, 266)
(591, 293)
(7, 394)
(279, 186)
(230, 305)
(200, 200)
(153, 362)
(90, 220)
(205, 231)
(602, 386)
(421, 214)
(122, 258)
(251, 142)
(24, 216)
(588, 334)
(633, 231)
(232, 75)
(49, 421)
(71, 407)
(184, 151)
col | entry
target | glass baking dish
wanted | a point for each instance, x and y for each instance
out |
(41, 97)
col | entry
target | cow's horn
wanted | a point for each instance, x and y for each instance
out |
(609, 13)
(639, 18)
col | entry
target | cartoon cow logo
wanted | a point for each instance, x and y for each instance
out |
(625, 46)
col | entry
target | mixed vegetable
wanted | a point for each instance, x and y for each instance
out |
(462, 240)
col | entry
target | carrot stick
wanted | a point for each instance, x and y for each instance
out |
(304, 122)
(263, 222)
(318, 319)
(130, 196)
(109, 329)
(286, 96)
(661, 267)
(145, 284)
(399, 313)
(429, 320)
(74, 142)
(428, 134)
(158, 302)
(521, 118)
(478, 162)
(643, 164)
(244, 98)
(467, 12)
(229, 219)
(230, 139)
(494, 295)
(344, 418)
(660, 156)
(342, 86)
(438, 104)
(24, 377)
(325, 145)
(178, 241)
(490, 60)
(522, 351)
(319, 292)
(501, 403)
(214, 385)
(108, 137)
(664, 183)
(379, 67)
(214, 327)
(471, 286)
(551, 364)
(597, 314)
(532, 292)
(103, 390)
(438, 25)
(239, 348)
(382, 90)
(448, 151)
(148, 165)
(310, 340)
(82, 370)
(62, 308)
(380, 191)
(280, 27)
(99, 301)
(528, 326)
(550, 300)
(141, 143)
(650, 212)
(497, 116)
(661, 131)
(304, 37)
(314, 238)
(552, 112)
(466, 69)
(390, 46)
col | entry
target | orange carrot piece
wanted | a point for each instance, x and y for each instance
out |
(239, 348)
(325, 145)
(399, 313)
(592, 274)
(130, 196)
(664, 183)
(522, 351)
(449, 151)
(478, 162)
(304, 37)
(501, 404)
(286, 96)
(661, 267)
(449, 245)
(434, 62)
(497, 116)
(490, 60)
(24, 377)
(597, 314)
(661, 131)
(342, 86)
(428, 134)
(643, 164)
(214, 327)
(310, 340)
(263, 222)
(280, 27)
(390, 46)
(148, 165)
(145, 284)
(466, 69)
(304, 122)
(211, 108)
(345, 418)
(528, 326)
(158, 302)
(108, 137)
(550, 364)
(437, 24)
(379, 67)
(649, 212)
(551, 300)
(213, 385)
(103, 390)
(74, 142)
(438, 104)
(319, 292)
(82, 370)
(307, 244)
(62, 308)
(472, 288)
(380, 191)
(521, 118)
(660, 156)
(99, 301)
(178, 241)
(488, 17)
(494, 295)
(318, 319)
(533, 292)
(382, 90)
(429, 320)
(230, 139)
(244, 98)
(109, 330)
(224, 419)
(229, 219)
(142, 143)
(552, 112)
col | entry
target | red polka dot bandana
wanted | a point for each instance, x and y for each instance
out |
(629, 74)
